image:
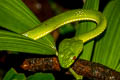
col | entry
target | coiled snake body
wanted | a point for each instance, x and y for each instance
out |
(70, 48)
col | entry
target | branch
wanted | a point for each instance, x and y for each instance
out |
(81, 67)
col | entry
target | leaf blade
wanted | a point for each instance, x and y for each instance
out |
(41, 76)
(15, 42)
(107, 49)
(9, 75)
(13, 75)
(15, 16)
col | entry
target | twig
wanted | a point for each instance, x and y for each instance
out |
(81, 67)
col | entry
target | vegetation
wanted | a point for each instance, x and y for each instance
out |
(16, 18)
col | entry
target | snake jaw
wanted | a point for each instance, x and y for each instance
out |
(66, 61)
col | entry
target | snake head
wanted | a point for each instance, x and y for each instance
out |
(69, 50)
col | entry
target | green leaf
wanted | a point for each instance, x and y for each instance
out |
(41, 76)
(15, 42)
(10, 74)
(47, 40)
(19, 76)
(83, 27)
(15, 16)
(13, 75)
(107, 49)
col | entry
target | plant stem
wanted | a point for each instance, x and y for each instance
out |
(86, 68)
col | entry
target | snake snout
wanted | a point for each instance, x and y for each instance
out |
(66, 61)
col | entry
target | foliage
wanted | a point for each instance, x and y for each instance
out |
(17, 19)
(107, 48)
(13, 75)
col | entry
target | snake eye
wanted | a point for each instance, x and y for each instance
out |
(74, 58)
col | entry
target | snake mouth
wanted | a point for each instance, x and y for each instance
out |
(66, 61)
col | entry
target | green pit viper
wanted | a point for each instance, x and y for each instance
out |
(69, 49)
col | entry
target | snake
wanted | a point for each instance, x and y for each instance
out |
(70, 48)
